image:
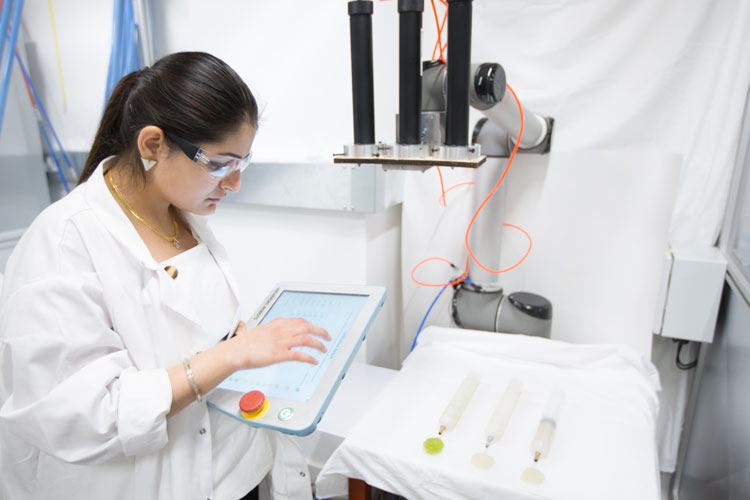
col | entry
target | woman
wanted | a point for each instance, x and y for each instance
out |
(117, 298)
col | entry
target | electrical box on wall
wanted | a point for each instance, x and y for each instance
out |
(693, 280)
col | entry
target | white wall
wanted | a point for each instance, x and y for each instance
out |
(84, 30)
(293, 54)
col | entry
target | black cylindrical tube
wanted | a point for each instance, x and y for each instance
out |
(360, 28)
(409, 70)
(459, 68)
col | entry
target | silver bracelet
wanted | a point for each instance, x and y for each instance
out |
(189, 373)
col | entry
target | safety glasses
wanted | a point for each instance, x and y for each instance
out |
(216, 165)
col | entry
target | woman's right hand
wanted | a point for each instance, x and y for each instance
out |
(263, 345)
(273, 342)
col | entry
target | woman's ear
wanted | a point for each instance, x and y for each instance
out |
(152, 143)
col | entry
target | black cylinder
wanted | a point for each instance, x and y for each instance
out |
(489, 83)
(360, 28)
(459, 73)
(409, 70)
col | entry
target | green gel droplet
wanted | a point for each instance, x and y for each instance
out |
(433, 445)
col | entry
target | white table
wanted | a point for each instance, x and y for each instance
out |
(604, 446)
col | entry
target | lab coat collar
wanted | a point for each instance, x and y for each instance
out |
(108, 211)
(120, 227)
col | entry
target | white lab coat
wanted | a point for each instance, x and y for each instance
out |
(86, 323)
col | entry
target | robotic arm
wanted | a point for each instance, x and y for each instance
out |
(433, 129)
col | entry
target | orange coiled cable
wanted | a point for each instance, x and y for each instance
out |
(476, 214)
(492, 193)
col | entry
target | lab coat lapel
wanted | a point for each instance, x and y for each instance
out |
(128, 272)
(176, 298)
(204, 233)
(223, 261)
(119, 226)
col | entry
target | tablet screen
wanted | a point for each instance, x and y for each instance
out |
(294, 380)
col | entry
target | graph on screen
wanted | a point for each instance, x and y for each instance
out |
(294, 380)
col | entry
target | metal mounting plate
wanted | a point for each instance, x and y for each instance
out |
(423, 163)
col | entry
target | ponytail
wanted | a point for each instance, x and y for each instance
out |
(193, 95)
(108, 140)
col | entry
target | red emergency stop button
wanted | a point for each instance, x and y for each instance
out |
(253, 404)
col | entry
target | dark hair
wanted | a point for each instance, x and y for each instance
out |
(193, 95)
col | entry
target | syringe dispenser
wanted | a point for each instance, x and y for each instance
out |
(452, 413)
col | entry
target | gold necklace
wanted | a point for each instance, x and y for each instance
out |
(172, 239)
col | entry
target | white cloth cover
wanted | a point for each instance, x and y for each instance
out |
(598, 221)
(604, 446)
(651, 76)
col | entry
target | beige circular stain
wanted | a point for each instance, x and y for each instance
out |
(482, 460)
(532, 476)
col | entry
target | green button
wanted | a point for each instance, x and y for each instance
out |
(286, 413)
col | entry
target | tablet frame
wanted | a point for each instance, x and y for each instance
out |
(306, 415)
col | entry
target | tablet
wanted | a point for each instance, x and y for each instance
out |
(292, 396)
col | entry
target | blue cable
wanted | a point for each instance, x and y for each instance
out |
(15, 27)
(4, 90)
(125, 55)
(425, 317)
(113, 68)
(132, 54)
(41, 109)
(4, 22)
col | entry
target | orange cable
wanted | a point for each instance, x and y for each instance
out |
(443, 47)
(473, 219)
(442, 187)
(492, 193)
(455, 282)
(442, 199)
(528, 251)
(437, 25)
(446, 191)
